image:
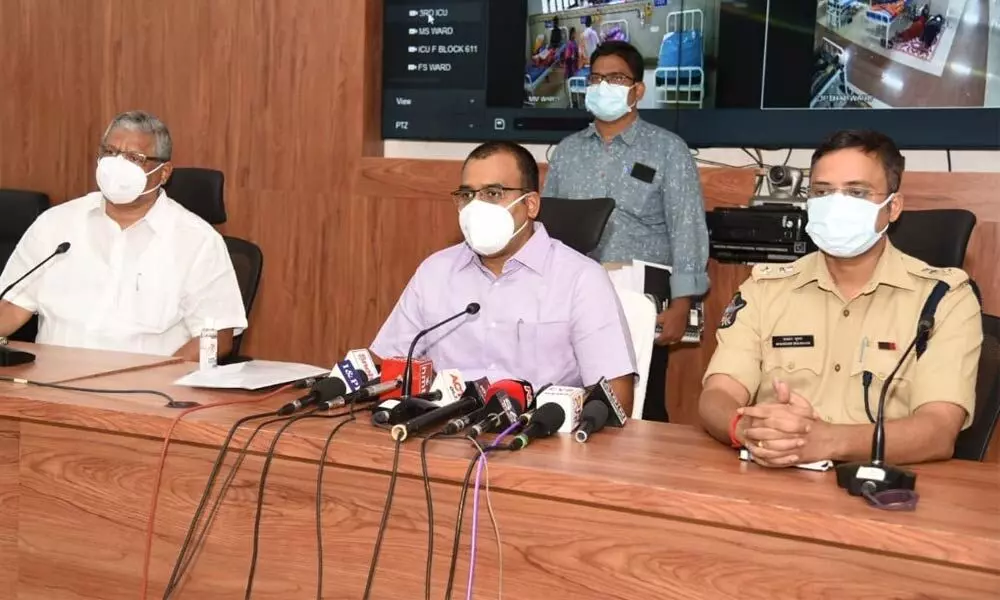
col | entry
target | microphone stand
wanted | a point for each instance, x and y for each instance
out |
(471, 309)
(874, 476)
(8, 356)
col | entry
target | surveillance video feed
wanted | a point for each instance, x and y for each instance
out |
(906, 54)
(677, 39)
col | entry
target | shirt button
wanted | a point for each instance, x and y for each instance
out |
(836, 367)
(493, 366)
(847, 312)
(791, 366)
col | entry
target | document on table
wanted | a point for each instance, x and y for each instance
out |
(820, 465)
(252, 375)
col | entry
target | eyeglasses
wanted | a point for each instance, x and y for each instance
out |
(494, 194)
(612, 78)
(860, 193)
(137, 158)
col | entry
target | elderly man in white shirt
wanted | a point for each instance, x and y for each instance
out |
(142, 275)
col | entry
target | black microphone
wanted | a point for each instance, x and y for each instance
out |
(8, 356)
(502, 411)
(471, 309)
(375, 388)
(466, 405)
(875, 476)
(592, 419)
(321, 391)
(545, 421)
(478, 390)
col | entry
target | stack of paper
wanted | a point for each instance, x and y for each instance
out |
(252, 375)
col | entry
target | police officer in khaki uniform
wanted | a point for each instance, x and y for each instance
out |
(809, 341)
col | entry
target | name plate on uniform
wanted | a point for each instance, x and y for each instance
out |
(792, 341)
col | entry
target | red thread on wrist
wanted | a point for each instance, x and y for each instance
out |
(732, 431)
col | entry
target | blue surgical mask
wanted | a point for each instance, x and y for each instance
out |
(608, 102)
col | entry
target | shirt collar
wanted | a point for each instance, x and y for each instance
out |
(628, 136)
(158, 217)
(889, 270)
(532, 255)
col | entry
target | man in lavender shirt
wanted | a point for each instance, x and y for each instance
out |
(548, 313)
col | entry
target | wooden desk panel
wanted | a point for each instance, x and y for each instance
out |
(80, 486)
(61, 364)
(9, 457)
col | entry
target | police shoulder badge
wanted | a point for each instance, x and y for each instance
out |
(735, 306)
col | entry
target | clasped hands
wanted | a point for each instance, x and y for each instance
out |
(785, 432)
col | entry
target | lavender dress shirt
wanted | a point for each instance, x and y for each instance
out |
(552, 316)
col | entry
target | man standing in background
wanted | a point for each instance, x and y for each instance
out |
(591, 40)
(659, 212)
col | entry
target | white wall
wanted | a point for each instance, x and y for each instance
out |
(916, 160)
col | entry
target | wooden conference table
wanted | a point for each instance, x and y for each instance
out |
(651, 511)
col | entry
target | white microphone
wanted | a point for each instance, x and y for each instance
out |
(570, 399)
(451, 385)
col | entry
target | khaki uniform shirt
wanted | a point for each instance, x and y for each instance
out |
(790, 322)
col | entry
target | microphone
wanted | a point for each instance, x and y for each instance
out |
(471, 309)
(421, 372)
(8, 356)
(374, 389)
(546, 420)
(352, 378)
(321, 391)
(508, 399)
(464, 406)
(448, 386)
(866, 479)
(361, 360)
(602, 392)
(570, 399)
(477, 389)
(594, 416)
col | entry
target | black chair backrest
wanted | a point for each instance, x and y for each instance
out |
(19, 209)
(577, 223)
(974, 441)
(248, 262)
(938, 237)
(201, 191)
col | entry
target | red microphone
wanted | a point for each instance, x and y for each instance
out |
(421, 375)
(506, 400)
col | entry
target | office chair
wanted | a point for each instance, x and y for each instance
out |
(248, 262)
(19, 208)
(577, 223)
(973, 443)
(938, 237)
(201, 191)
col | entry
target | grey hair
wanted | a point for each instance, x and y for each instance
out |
(138, 120)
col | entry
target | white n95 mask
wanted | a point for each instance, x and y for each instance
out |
(843, 226)
(607, 101)
(121, 181)
(488, 228)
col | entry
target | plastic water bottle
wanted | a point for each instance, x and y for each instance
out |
(209, 346)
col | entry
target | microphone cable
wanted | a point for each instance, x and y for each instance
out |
(171, 403)
(373, 565)
(174, 578)
(493, 521)
(319, 500)
(475, 503)
(261, 486)
(456, 542)
(430, 504)
(154, 500)
(189, 552)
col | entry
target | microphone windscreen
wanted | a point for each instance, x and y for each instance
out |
(520, 391)
(62, 248)
(472, 308)
(549, 418)
(569, 399)
(329, 388)
(597, 413)
(421, 375)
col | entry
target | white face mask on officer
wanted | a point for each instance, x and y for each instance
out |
(844, 226)
(121, 181)
(608, 101)
(488, 228)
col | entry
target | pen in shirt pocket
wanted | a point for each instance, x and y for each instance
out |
(138, 276)
(517, 331)
(864, 349)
